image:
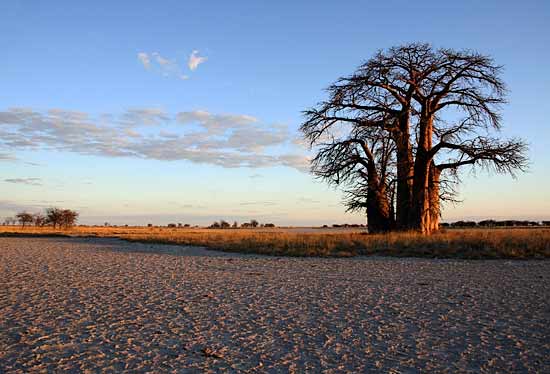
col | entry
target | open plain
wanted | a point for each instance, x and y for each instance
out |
(107, 305)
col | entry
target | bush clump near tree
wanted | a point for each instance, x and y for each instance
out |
(55, 217)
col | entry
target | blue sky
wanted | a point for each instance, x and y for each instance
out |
(114, 85)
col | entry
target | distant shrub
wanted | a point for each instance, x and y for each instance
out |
(487, 223)
(464, 224)
(513, 223)
(10, 221)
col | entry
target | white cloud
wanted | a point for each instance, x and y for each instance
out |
(194, 116)
(145, 60)
(195, 60)
(227, 140)
(132, 133)
(7, 157)
(161, 60)
(296, 161)
(215, 123)
(169, 67)
(162, 65)
(27, 181)
(256, 138)
(308, 200)
(263, 203)
(144, 116)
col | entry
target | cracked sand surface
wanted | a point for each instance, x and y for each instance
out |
(105, 305)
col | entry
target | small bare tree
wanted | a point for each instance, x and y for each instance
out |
(24, 218)
(39, 219)
(68, 218)
(54, 216)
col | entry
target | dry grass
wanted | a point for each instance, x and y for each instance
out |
(520, 243)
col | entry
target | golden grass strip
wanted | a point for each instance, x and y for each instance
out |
(517, 243)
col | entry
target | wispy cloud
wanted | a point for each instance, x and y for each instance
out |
(187, 206)
(308, 200)
(27, 181)
(7, 157)
(12, 206)
(169, 67)
(144, 116)
(195, 60)
(227, 140)
(256, 203)
(216, 123)
(297, 161)
(144, 59)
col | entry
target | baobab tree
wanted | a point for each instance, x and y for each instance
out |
(360, 158)
(439, 110)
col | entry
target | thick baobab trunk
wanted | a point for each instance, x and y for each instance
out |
(404, 180)
(379, 218)
(378, 212)
(420, 217)
(433, 188)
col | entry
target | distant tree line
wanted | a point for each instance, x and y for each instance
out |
(222, 224)
(484, 223)
(494, 223)
(55, 217)
(346, 225)
(173, 225)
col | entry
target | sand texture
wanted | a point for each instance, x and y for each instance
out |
(109, 306)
